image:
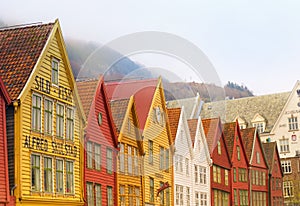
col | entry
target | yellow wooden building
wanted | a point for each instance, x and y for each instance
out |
(46, 118)
(130, 159)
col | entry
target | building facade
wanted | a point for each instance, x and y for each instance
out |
(45, 120)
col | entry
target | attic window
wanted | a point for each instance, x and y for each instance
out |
(260, 126)
(55, 68)
(219, 148)
(158, 116)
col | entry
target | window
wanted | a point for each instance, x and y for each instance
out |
(259, 198)
(70, 124)
(234, 174)
(235, 197)
(203, 199)
(179, 194)
(59, 121)
(238, 153)
(197, 175)
(161, 158)
(70, 177)
(293, 123)
(162, 194)
(242, 175)
(110, 200)
(151, 189)
(221, 198)
(284, 145)
(257, 158)
(130, 195)
(122, 195)
(244, 198)
(286, 166)
(188, 196)
(187, 166)
(36, 113)
(98, 192)
(97, 156)
(167, 159)
(150, 145)
(122, 158)
(90, 193)
(35, 173)
(137, 196)
(226, 177)
(129, 159)
(180, 163)
(217, 174)
(59, 176)
(48, 116)
(197, 198)
(260, 127)
(89, 151)
(109, 163)
(135, 162)
(129, 125)
(48, 177)
(202, 171)
(54, 76)
(219, 148)
(288, 189)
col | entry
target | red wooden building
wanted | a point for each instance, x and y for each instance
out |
(100, 145)
(220, 170)
(258, 172)
(239, 171)
(275, 174)
(5, 198)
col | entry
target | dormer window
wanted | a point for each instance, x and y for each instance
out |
(259, 126)
(242, 122)
(259, 122)
(54, 75)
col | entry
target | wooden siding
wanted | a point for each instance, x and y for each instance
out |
(10, 145)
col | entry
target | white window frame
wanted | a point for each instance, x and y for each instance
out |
(135, 161)
(109, 160)
(46, 171)
(89, 155)
(62, 175)
(129, 160)
(150, 149)
(98, 194)
(70, 123)
(97, 155)
(122, 195)
(179, 194)
(37, 187)
(293, 123)
(54, 76)
(203, 199)
(219, 147)
(36, 117)
(260, 126)
(288, 189)
(48, 116)
(110, 196)
(286, 166)
(90, 193)
(122, 158)
(70, 174)
(187, 166)
(202, 175)
(188, 196)
(60, 119)
(161, 157)
(284, 145)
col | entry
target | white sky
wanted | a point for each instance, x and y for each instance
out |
(254, 42)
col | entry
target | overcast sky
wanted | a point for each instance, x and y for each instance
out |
(255, 42)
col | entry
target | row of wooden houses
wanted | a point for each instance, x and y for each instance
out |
(116, 143)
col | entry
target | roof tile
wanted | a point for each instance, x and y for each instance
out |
(174, 115)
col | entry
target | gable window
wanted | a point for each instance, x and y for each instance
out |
(238, 153)
(54, 76)
(110, 199)
(293, 123)
(284, 145)
(150, 148)
(98, 195)
(219, 148)
(90, 193)
(48, 116)
(151, 181)
(36, 113)
(260, 126)
(257, 158)
(35, 173)
(97, 157)
(70, 124)
(48, 177)
(286, 167)
(288, 189)
(59, 120)
(70, 177)
(109, 162)
(89, 151)
(161, 158)
(129, 159)
(59, 176)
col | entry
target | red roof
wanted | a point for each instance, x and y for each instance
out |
(143, 91)
(229, 132)
(20, 49)
(193, 127)
(174, 115)
(211, 127)
(248, 136)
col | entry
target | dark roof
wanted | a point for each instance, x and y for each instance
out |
(229, 131)
(248, 136)
(193, 128)
(174, 115)
(268, 106)
(270, 150)
(211, 127)
(20, 49)
(118, 109)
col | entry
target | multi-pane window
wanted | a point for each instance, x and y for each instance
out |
(70, 124)
(168, 196)
(137, 196)
(89, 151)
(234, 174)
(293, 123)
(167, 154)
(187, 167)
(59, 120)
(257, 158)
(48, 116)
(188, 196)
(235, 198)
(69, 177)
(284, 145)
(260, 127)
(259, 198)
(286, 166)
(129, 159)
(244, 197)
(238, 152)
(35, 173)
(36, 113)
(59, 176)
(90, 193)
(288, 189)
(54, 76)
(97, 156)
(217, 174)
(202, 172)
(226, 177)
(110, 199)
(162, 194)
(151, 189)
(161, 158)
(122, 195)
(122, 158)
(130, 195)
(197, 198)
(98, 193)
(203, 199)
(135, 162)
(219, 148)
(48, 177)
(179, 194)
(220, 198)
(109, 159)
(197, 175)
(242, 175)
(150, 148)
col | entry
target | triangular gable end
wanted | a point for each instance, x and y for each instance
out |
(238, 132)
(261, 150)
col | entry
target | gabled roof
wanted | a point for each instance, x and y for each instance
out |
(229, 133)
(268, 106)
(248, 136)
(270, 149)
(211, 127)
(87, 90)
(118, 109)
(143, 91)
(193, 124)
(20, 49)
(4, 92)
(174, 115)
